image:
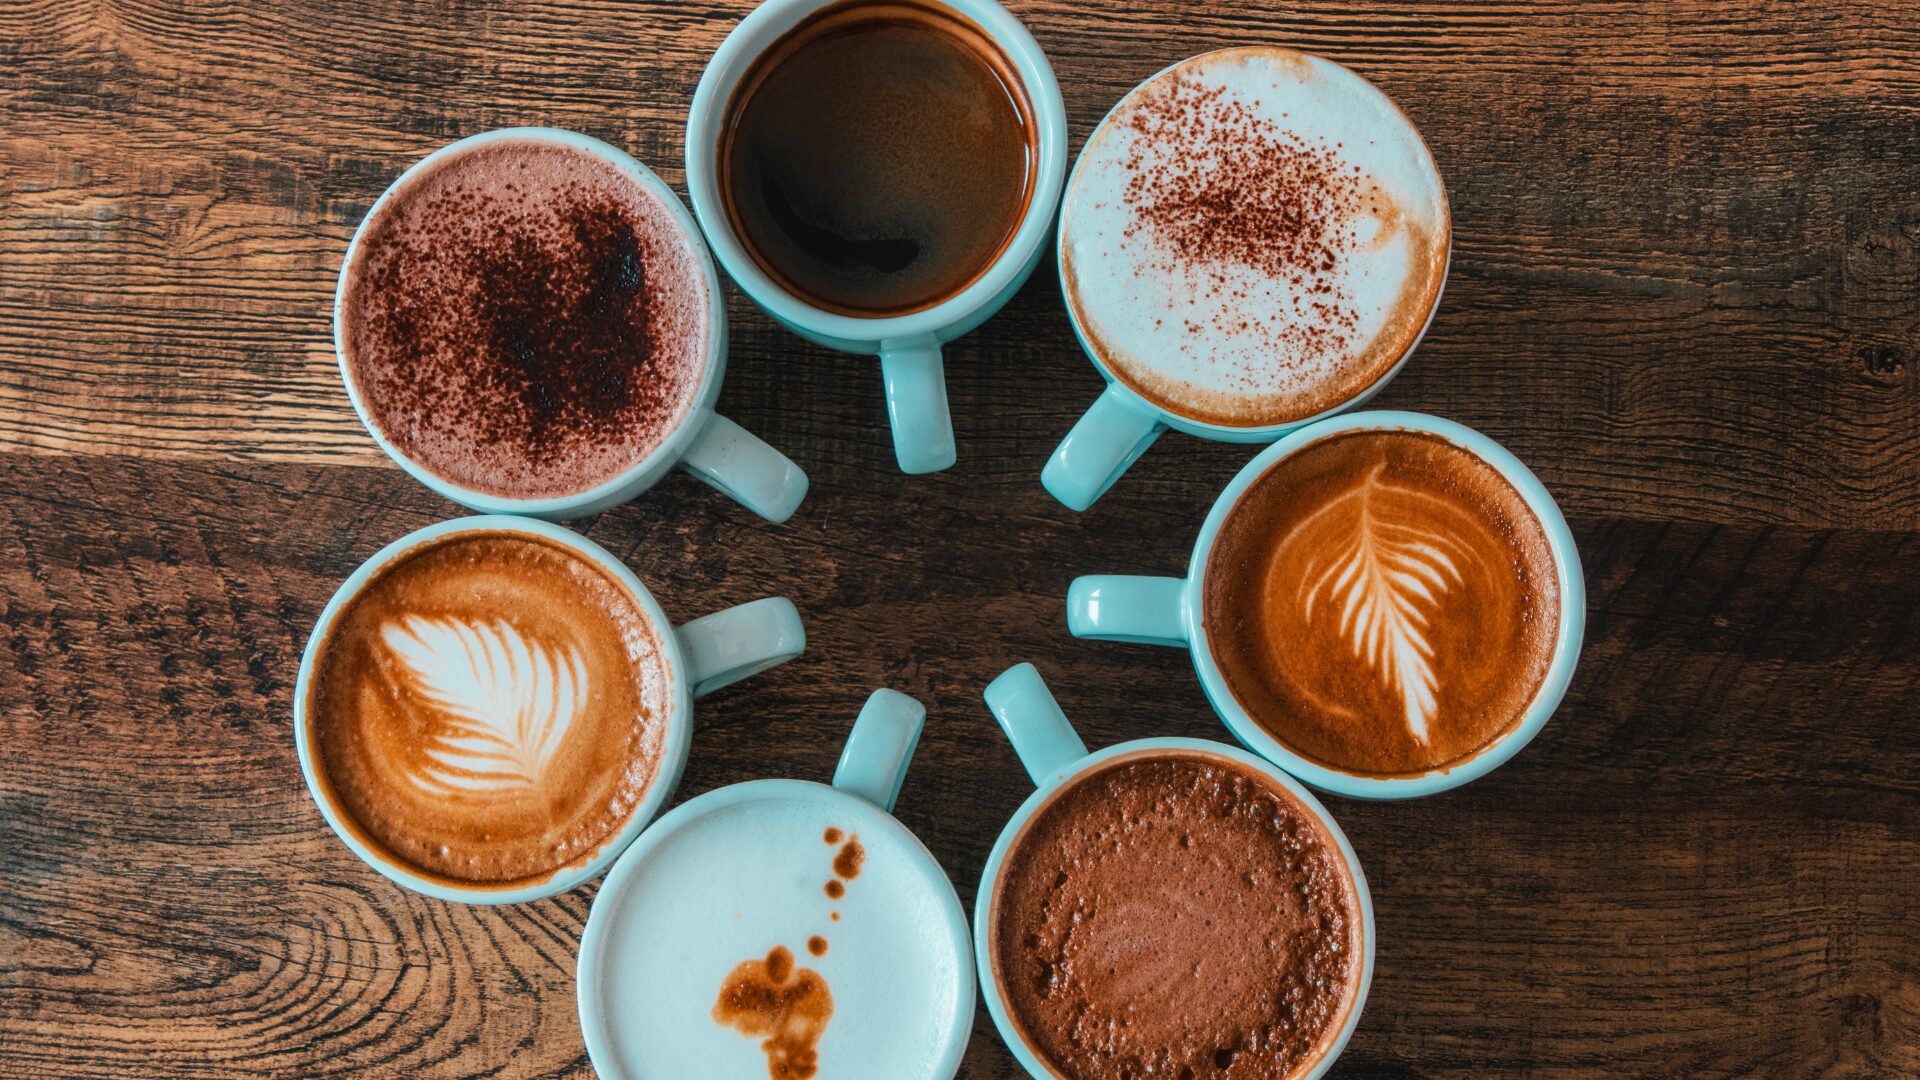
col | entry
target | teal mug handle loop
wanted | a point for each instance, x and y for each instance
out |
(742, 465)
(722, 648)
(874, 763)
(1040, 733)
(1141, 610)
(1102, 446)
(916, 381)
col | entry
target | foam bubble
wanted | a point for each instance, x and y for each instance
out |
(1253, 237)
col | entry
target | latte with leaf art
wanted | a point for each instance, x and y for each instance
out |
(1383, 602)
(489, 708)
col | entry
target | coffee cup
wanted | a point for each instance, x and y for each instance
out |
(779, 927)
(1251, 240)
(1415, 573)
(908, 337)
(506, 706)
(1100, 927)
(585, 355)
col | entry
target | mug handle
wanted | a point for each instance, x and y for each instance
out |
(722, 648)
(874, 764)
(916, 381)
(746, 469)
(1040, 733)
(1102, 446)
(1141, 610)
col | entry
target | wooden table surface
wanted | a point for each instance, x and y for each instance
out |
(1685, 289)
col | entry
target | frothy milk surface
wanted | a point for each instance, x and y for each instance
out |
(1253, 237)
(730, 887)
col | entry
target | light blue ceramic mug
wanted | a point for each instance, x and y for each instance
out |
(1122, 424)
(1055, 759)
(700, 656)
(706, 444)
(744, 870)
(1168, 611)
(909, 346)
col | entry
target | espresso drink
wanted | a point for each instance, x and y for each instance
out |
(878, 158)
(1383, 602)
(1176, 914)
(525, 319)
(1253, 237)
(488, 709)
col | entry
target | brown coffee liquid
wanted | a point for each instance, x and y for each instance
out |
(525, 319)
(786, 1007)
(1176, 914)
(488, 709)
(878, 158)
(1384, 603)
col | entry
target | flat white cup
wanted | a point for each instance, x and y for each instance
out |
(704, 443)
(908, 345)
(646, 989)
(700, 656)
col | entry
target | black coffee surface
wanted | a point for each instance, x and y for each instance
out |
(878, 158)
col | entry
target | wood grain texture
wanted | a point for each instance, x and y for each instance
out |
(1686, 290)
(1686, 238)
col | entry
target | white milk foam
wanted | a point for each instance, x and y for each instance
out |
(1240, 332)
(730, 886)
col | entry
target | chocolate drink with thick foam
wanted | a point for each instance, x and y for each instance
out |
(1384, 603)
(1176, 910)
(488, 708)
(525, 319)
(878, 158)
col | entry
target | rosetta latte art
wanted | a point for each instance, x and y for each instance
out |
(1381, 574)
(503, 702)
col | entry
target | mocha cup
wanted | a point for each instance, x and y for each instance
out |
(657, 946)
(1055, 759)
(700, 656)
(1169, 611)
(909, 346)
(704, 443)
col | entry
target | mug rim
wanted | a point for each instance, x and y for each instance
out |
(1567, 640)
(592, 1010)
(636, 477)
(675, 746)
(1207, 429)
(746, 43)
(1076, 770)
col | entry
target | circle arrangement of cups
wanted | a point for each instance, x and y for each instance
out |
(718, 881)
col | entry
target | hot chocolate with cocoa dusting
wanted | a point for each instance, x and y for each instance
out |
(1176, 914)
(525, 319)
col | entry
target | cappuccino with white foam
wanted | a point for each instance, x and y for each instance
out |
(488, 708)
(1253, 237)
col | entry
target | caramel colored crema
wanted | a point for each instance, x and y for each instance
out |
(1383, 602)
(488, 709)
(1176, 914)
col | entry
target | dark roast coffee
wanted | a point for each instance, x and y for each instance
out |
(878, 158)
